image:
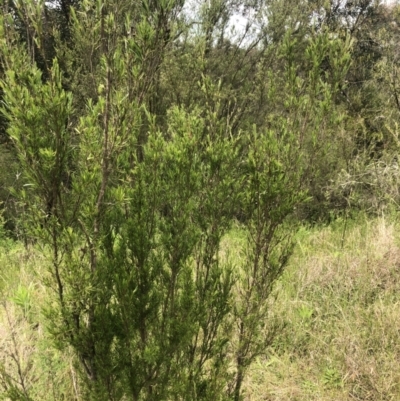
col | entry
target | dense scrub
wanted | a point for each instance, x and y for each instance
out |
(157, 165)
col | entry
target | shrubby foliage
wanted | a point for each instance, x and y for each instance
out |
(142, 134)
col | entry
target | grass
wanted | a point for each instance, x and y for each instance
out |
(339, 301)
(30, 368)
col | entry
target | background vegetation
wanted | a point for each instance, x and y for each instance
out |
(197, 211)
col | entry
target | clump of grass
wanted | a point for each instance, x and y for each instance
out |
(30, 367)
(339, 299)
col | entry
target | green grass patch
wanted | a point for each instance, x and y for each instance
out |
(339, 299)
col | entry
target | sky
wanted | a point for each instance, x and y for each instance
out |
(239, 22)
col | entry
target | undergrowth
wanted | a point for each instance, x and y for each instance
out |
(31, 368)
(339, 300)
(337, 303)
